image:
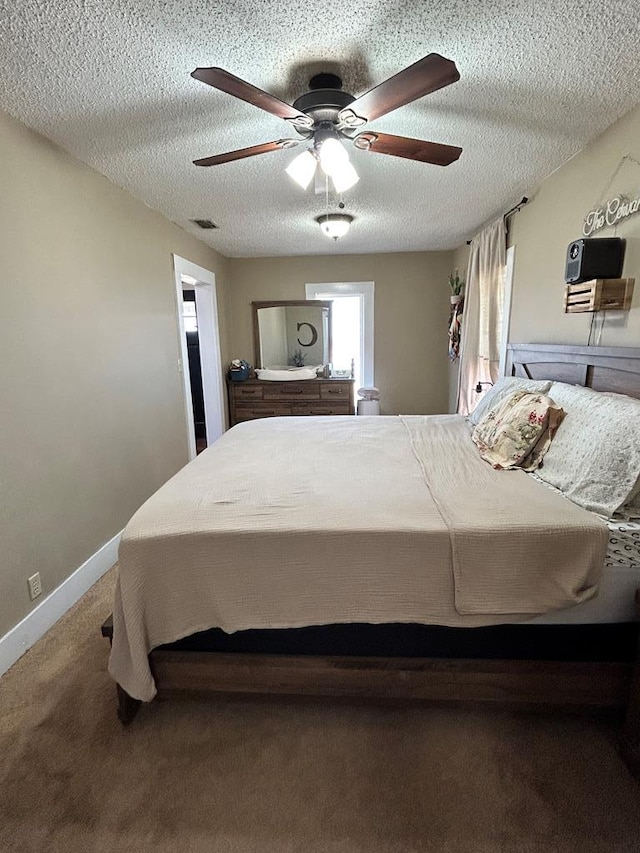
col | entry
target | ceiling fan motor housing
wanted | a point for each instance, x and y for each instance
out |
(325, 80)
(323, 105)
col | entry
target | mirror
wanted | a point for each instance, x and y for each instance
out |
(292, 333)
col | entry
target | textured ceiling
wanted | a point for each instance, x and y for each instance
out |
(109, 81)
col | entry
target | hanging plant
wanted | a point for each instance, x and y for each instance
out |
(456, 284)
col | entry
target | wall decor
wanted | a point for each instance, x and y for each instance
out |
(457, 306)
(610, 213)
(455, 327)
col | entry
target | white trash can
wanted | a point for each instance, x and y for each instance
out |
(368, 407)
(370, 402)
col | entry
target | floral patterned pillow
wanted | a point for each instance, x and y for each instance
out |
(503, 388)
(518, 430)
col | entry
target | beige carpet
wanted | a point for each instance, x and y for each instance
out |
(236, 776)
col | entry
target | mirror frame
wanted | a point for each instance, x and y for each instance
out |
(283, 303)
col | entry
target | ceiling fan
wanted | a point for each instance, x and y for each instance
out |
(326, 115)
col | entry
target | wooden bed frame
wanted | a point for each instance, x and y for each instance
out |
(516, 683)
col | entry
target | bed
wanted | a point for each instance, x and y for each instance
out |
(396, 584)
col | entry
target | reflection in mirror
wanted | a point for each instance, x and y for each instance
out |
(292, 334)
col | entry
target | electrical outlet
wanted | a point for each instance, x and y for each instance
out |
(35, 586)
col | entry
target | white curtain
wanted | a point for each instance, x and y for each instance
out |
(482, 318)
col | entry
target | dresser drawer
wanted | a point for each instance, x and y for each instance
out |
(254, 399)
(308, 390)
(246, 392)
(335, 391)
(246, 411)
(322, 407)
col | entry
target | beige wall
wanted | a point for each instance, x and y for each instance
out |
(544, 228)
(411, 311)
(92, 413)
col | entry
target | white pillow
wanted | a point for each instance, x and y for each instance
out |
(502, 388)
(595, 457)
(631, 507)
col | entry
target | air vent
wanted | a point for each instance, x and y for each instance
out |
(207, 224)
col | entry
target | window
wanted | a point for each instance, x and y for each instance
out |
(189, 314)
(351, 325)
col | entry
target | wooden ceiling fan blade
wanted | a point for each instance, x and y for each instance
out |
(220, 79)
(241, 153)
(411, 149)
(427, 75)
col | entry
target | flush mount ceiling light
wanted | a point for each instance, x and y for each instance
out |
(335, 224)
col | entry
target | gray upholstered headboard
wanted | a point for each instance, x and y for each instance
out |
(601, 368)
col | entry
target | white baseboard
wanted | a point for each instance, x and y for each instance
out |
(36, 623)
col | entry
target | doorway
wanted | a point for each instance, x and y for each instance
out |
(200, 353)
(190, 316)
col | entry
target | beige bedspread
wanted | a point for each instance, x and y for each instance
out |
(288, 522)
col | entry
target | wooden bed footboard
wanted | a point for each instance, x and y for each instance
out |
(521, 683)
(577, 685)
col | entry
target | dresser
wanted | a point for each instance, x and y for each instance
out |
(255, 398)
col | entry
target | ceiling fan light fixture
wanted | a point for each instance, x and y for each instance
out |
(345, 177)
(332, 155)
(335, 225)
(302, 168)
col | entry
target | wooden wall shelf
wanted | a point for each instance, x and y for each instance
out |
(599, 294)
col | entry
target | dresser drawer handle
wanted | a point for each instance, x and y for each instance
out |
(295, 391)
(336, 390)
(248, 390)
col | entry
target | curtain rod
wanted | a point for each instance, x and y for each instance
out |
(514, 209)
